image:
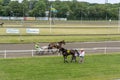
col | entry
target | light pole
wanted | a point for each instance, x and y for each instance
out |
(50, 19)
(106, 17)
(81, 16)
(68, 13)
(50, 13)
(106, 2)
(119, 20)
(47, 13)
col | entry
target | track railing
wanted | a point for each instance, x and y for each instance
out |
(31, 53)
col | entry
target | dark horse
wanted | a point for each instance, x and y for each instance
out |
(56, 44)
(1, 24)
(66, 52)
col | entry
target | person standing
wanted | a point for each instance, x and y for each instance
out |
(81, 55)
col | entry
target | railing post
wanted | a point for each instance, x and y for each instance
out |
(32, 53)
(5, 54)
(105, 50)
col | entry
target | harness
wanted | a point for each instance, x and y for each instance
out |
(68, 51)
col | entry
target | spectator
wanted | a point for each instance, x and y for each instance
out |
(81, 54)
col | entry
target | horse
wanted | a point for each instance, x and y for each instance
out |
(66, 52)
(52, 47)
(56, 45)
(1, 24)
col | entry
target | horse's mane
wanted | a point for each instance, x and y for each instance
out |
(62, 42)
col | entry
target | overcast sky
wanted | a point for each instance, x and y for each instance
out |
(93, 1)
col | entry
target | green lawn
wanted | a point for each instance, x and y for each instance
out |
(96, 67)
(66, 31)
(32, 39)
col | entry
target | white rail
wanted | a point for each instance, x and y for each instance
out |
(19, 53)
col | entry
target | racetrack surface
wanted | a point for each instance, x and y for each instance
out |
(68, 45)
(90, 47)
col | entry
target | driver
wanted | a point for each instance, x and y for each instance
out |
(37, 46)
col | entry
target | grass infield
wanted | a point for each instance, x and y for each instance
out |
(95, 67)
(32, 39)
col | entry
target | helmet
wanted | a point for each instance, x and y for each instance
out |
(81, 49)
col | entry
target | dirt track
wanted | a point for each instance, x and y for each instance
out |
(68, 45)
(93, 46)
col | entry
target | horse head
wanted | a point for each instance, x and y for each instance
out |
(57, 45)
(63, 42)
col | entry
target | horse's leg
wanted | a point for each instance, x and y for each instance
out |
(49, 48)
(72, 58)
(66, 59)
(59, 52)
(75, 58)
(42, 52)
(52, 51)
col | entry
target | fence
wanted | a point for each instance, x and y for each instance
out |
(31, 53)
(16, 53)
(25, 53)
(30, 18)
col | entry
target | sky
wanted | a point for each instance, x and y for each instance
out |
(102, 1)
(93, 1)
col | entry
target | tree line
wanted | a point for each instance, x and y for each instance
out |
(72, 10)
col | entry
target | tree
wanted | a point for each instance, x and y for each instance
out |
(25, 8)
(5, 2)
(1, 1)
(39, 9)
(62, 9)
(15, 8)
(73, 10)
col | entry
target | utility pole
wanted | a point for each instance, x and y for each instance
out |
(119, 20)
(50, 15)
(106, 2)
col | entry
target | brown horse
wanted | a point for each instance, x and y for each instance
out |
(56, 44)
(1, 24)
(66, 52)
